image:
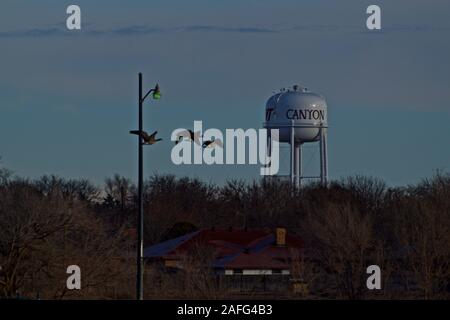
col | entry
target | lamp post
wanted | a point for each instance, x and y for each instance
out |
(140, 244)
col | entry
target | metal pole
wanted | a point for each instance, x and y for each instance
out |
(322, 179)
(292, 153)
(325, 157)
(140, 244)
(269, 149)
(298, 164)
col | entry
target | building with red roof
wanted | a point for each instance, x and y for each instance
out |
(235, 252)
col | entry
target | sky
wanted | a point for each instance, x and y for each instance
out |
(69, 98)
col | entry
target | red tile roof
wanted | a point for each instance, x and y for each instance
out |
(234, 249)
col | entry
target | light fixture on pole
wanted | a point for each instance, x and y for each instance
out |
(156, 93)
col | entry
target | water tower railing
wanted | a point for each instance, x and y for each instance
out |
(276, 126)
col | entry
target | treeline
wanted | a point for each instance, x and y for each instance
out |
(49, 223)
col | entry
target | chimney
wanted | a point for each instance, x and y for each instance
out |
(280, 236)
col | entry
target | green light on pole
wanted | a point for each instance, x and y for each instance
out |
(156, 93)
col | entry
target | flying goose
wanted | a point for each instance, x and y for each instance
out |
(190, 135)
(148, 139)
(212, 143)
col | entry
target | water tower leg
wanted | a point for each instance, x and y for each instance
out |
(269, 149)
(292, 155)
(298, 164)
(322, 159)
(325, 157)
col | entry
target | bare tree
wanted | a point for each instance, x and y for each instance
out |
(42, 234)
(342, 239)
(200, 280)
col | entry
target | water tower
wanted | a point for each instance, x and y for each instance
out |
(301, 117)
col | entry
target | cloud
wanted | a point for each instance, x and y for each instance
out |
(35, 32)
(197, 28)
(136, 30)
(129, 31)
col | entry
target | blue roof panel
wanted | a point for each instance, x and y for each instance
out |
(164, 248)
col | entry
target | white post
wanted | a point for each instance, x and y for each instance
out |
(292, 152)
(269, 148)
(325, 157)
(322, 176)
(298, 164)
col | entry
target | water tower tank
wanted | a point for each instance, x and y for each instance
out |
(300, 117)
(299, 108)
